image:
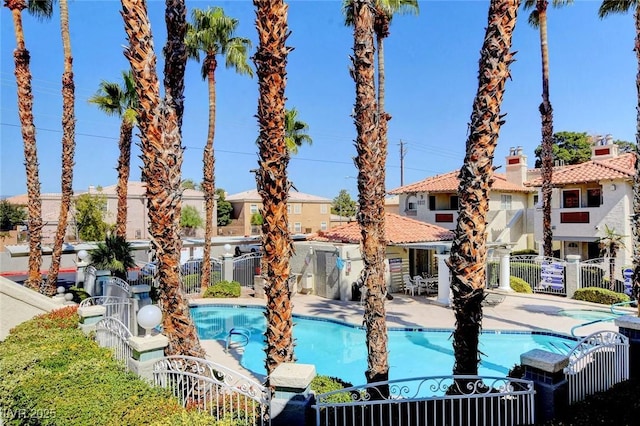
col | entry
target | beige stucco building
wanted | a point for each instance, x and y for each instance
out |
(307, 213)
(137, 214)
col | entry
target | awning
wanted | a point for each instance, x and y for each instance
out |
(576, 239)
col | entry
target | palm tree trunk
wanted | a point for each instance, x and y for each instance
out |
(162, 155)
(468, 252)
(208, 182)
(370, 162)
(271, 178)
(25, 112)
(124, 167)
(546, 113)
(68, 150)
(635, 218)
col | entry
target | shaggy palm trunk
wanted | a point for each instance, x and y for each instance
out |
(546, 113)
(208, 182)
(159, 124)
(271, 178)
(124, 161)
(68, 149)
(635, 218)
(25, 111)
(468, 252)
(371, 163)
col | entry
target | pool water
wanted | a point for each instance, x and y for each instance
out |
(588, 315)
(338, 349)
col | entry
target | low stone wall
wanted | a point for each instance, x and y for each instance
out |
(19, 304)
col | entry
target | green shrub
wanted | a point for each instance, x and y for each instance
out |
(48, 366)
(524, 252)
(519, 285)
(600, 295)
(324, 384)
(223, 289)
(79, 294)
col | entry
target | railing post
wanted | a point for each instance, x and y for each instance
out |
(444, 280)
(629, 326)
(292, 399)
(146, 350)
(572, 275)
(89, 317)
(504, 280)
(546, 371)
(227, 267)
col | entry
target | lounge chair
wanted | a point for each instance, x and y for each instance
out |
(492, 299)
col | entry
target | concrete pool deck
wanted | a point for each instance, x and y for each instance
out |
(518, 312)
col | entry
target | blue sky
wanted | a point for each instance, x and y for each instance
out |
(431, 66)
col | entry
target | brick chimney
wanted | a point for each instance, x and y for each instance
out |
(516, 166)
(604, 148)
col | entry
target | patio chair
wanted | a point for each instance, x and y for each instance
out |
(410, 286)
(493, 299)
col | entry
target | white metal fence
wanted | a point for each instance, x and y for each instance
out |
(116, 307)
(191, 275)
(596, 363)
(246, 267)
(209, 387)
(544, 274)
(112, 333)
(603, 272)
(445, 400)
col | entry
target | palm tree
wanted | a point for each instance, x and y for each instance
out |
(271, 178)
(21, 57)
(212, 32)
(114, 255)
(159, 122)
(608, 7)
(610, 243)
(68, 151)
(538, 19)
(468, 251)
(384, 12)
(122, 101)
(370, 163)
(295, 131)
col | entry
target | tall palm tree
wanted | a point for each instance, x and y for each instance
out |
(21, 57)
(121, 101)
(370, 163)
(384, 12)
(68, 151)
(468, 251)
(271, 177)
(212, 32)
(608, 7)
(295, 131)
(159, 122)
(538, 19)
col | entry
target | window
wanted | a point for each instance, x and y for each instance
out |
(253, 208)
(297, 227)
(453, 202)
(571, 198)
(138, 234)
(288, 208)
(432, 202)
(594, 197)
(323, 226)
(505, 202)
(323, 209)
(412, 203)
(297, 208)
(536, 199)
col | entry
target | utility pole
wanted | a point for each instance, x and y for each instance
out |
(403, 151)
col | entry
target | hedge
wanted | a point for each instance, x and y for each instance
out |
(600, 295)
(223, 289)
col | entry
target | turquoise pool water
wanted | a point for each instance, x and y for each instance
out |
(587, 314)
(338, 349)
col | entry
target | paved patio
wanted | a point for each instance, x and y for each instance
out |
(516, 312)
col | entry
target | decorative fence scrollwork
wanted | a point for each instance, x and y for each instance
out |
(113, 334)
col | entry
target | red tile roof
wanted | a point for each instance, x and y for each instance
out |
(449, 182)
(620, 167)
(398, 230)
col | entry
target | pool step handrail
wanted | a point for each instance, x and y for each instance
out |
(616, 305)
(243, 335)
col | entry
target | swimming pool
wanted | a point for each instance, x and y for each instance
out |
(338, 349)
(588, 314)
